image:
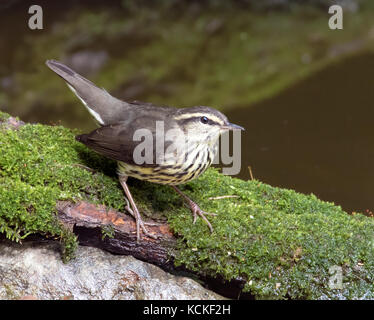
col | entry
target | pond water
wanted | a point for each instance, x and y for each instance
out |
(317, 136)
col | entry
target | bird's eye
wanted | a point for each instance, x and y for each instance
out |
(204, 120)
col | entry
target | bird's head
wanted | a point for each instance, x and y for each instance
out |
(204, 123)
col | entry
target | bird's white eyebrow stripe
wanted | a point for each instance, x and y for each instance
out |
(189, 115)
(197, 115)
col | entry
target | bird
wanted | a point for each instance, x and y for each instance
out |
(159, 144)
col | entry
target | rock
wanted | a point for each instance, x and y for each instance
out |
(34, 270)
(214, 26)
(11, 123)
(87, 61)
(7, 83)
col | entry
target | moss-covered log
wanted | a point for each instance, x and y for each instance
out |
(280, 243)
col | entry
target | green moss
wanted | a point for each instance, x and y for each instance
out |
(107, 231)
(3, 116)
(280, 242)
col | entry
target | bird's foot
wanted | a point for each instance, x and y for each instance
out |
(196, 211)
(140, 223)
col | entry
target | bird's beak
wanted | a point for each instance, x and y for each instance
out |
(231, 126)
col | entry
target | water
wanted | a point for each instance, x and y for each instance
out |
(317, 136)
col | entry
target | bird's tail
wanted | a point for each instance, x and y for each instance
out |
(102, 106)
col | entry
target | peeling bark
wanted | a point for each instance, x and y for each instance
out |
(87, 220)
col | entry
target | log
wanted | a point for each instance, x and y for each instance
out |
(87, 221)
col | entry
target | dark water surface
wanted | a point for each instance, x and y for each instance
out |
(317, 136)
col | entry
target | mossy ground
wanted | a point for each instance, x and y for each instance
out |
(281, 242)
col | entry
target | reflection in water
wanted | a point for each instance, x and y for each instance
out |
(318, 136)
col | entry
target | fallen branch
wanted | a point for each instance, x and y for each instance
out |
(87, 221)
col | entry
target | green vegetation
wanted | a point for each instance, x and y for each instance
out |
(281, 242)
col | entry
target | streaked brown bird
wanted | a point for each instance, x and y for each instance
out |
(179, 143)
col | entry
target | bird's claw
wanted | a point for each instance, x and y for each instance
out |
(196, 211)
(140, 223)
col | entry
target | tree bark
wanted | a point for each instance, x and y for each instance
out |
(87, 221)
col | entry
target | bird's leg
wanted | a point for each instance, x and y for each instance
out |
(195, 209)
(129, 210)
(134, 212)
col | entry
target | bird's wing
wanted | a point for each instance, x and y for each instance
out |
(130, 143)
